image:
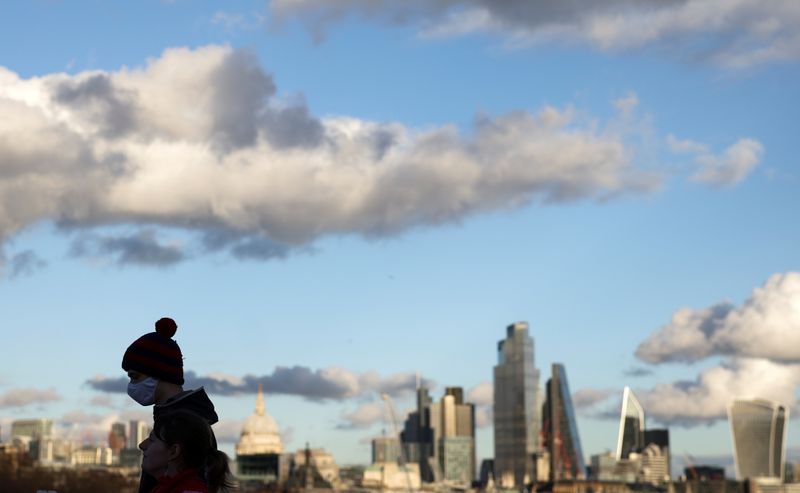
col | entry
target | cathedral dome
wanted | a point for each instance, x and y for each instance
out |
(260, 433)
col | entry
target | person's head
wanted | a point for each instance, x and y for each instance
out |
(154, 364)
(182, 440)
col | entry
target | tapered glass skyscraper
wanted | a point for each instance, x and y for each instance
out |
(561, 429)
(759, 437)
(631, 425)
(516, 428)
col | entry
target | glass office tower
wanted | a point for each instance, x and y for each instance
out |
(631, 425)
(561, 430)
(759, 438)
(516, 428)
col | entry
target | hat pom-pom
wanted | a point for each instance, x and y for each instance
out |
(166, 327)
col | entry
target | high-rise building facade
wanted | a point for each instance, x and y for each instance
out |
(417, 436)
(659, 437)
(631, 425)
(759, 430)
(137, 432)
(385, 449)
(32, 428)
(117, 437)
(560, 429)
(516, 428)
(440, 437)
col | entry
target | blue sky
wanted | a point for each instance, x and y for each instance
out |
(355, 193)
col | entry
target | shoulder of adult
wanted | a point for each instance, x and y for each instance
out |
(195, 401)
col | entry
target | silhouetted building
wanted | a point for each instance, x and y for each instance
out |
(486, 474)
(560, 430)
(704, 473)
(312, 469)
(516, 428)
(631, 425)
(759, 438)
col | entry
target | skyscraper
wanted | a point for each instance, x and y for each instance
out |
(137, 433)
(759, 430)
(117, 437)
(561, 430)
(32, 428)
(456, 437)
(440, 437)
(516, 429)
(631, 425)
(417, 435)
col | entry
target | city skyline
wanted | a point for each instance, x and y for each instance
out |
(330, 202)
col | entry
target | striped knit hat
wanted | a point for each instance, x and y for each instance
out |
(156, 354)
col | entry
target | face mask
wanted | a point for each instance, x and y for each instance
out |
(143, 392)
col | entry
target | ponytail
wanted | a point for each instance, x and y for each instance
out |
(218, 473)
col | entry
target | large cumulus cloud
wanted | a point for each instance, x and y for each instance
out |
(758, 341)
(766, 325)
(198, 141)
(749, 350)
(738, 33)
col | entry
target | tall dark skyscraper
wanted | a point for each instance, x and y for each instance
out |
(759, 437)
(631, 425)
(516, 428)
(417, 435)
(560, 429)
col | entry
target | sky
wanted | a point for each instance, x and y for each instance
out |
(331, 198)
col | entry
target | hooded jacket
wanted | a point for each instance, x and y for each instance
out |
(194, 401)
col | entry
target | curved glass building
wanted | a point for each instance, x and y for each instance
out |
(758, 427)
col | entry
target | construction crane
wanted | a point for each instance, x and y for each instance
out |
(401, 459)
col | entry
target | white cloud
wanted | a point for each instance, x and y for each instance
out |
(102, 401)
(764, 326)
(228, 430)
(733, 166)
(229, 21)
(481, 394)
(365, 416)
(627, 105)
(705, 399)
(737, 34)
(197, 140)
(677, 145)
(759, 339)
(27, 396)
(728, 168)
(588, 398)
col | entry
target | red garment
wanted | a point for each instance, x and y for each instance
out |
(187, 481)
